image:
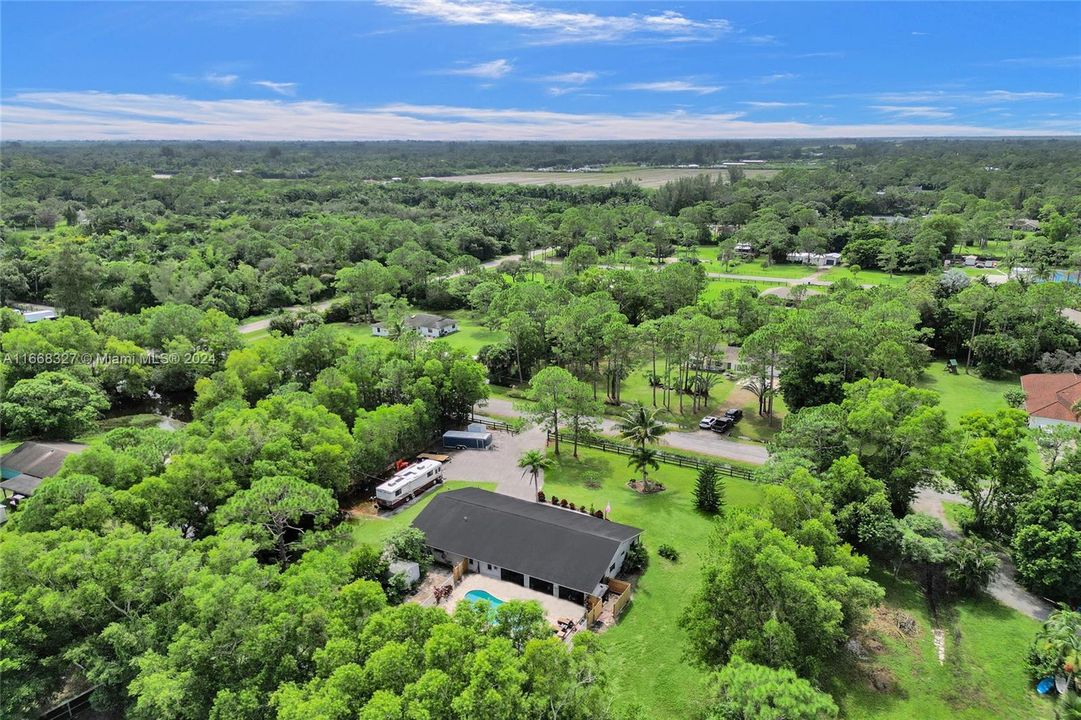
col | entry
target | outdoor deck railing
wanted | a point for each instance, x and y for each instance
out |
(665, 457)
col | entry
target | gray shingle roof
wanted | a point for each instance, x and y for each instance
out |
(39, 459)
(21, 485)
(426, 320)
(568, 548)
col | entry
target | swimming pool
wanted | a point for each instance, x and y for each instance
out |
(476, 595)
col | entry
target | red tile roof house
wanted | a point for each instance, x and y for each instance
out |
(1050, 398)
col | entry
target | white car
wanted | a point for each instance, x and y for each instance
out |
(707, 423)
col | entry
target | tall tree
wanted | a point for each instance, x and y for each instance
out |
(549, 391)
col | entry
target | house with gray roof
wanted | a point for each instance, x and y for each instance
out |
(552, 550)
(427, 325)
(23, 469)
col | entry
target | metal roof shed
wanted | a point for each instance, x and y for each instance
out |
(463, 439)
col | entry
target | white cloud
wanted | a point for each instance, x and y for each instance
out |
(776, 77)
(674, 86)
(915, 111)
(769, 104)
(984, 96)
(491, 70)
(564, 25)
(110, 116)
(572, 78)
(1070, 61)
(282, 88)
(221, 80)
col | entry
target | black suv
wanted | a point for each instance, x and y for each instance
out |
(733, 414)
(722, 425)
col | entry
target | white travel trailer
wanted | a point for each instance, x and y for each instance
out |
(408, 483)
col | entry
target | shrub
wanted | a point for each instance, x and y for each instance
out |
(283, 322)
(637, 558)
(540, 496)
(555, 500)
(408, 544)
(668, 553)
(563, 503)
(337, 312)
(708, 491)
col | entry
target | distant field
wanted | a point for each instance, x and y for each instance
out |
(646, 177)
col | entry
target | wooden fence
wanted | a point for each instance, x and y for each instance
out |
(623, 591)
(665, 457)
(499, 425)
(593, 610)
(460, 569)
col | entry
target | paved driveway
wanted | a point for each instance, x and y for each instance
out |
(700, 441)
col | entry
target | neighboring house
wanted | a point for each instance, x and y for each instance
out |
(889, 219)
(560, 552)
(725, 360)
(1050, 398)
(430, 326)
(1024, 224)
(817, 259)
(26, 466)
(35, 313)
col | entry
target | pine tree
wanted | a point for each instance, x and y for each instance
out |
(707, 495)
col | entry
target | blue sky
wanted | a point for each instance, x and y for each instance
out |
(503, 70)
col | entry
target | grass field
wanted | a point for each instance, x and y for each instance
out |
(646, 177)
(714, 287)
(645, 648)
(374, 530)
(983, 676)
(707, 254)
(471, 335)
(866, 277)
(963, 393)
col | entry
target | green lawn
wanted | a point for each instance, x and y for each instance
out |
(471, 335)
(645, 648)
(714, 287)
(374, 530)
(866, 277)
(707, 255)
(963, 393)
(983, 675)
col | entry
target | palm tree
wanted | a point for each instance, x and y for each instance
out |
(642, 459)
(641, 426)
(534, 462)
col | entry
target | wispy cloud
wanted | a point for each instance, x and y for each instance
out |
(770, 104)
(674, 86)
(984, 96)
(760, 40)
(560, 26)
(915, 111)
(221, 80)
(1066, 61)
(282, 88)
(776, 77)
(110, 116)
(492, 70)
(572, 78)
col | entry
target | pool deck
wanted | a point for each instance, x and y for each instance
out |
(554, 607)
